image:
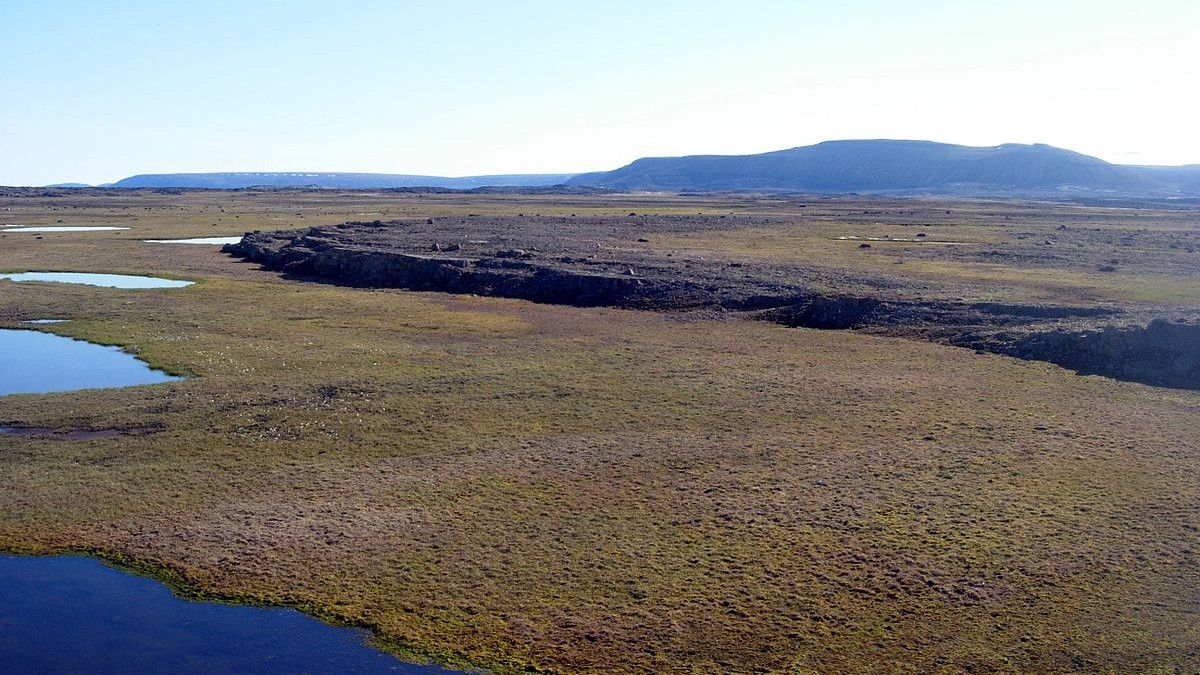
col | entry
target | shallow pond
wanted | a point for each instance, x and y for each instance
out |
(32, 362)
(68, 614)
(196, 240)
(63, 228)
(105, 280)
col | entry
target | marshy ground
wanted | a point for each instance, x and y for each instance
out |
(595, 490)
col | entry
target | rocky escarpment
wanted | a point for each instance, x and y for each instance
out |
(503, 273)
(586, 267)
(1160, 353)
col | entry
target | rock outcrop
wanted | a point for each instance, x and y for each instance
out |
(1160, 353)
(574, 270)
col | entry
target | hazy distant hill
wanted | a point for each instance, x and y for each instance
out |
(898, 166)
(68, 185)
(1184, 179)
(333, 180)
(868, 166)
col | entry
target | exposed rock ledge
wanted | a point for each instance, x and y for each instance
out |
(1098, 340)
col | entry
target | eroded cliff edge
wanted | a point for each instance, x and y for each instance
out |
(608, 261)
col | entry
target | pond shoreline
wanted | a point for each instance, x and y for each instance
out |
(184, 589)
(43, 362)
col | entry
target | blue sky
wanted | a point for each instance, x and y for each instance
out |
(94, 91)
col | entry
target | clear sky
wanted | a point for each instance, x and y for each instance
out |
(95, 91)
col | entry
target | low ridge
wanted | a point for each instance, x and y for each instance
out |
(899, 166)
(302, 179)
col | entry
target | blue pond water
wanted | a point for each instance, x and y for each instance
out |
(106, 280)
(67, 615)
(32, 362)
(196, 240)
(63, 228)
(71, 615)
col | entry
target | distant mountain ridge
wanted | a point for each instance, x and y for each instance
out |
(899, 166)
(299, 179)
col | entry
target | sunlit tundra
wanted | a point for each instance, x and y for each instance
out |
(619, 338)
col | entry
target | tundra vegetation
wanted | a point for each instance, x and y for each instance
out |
(532, 487)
